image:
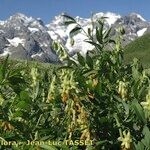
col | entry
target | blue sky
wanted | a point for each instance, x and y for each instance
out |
(47, 9)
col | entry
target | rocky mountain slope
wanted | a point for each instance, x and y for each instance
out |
(29, 38)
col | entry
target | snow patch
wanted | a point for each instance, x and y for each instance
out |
(58, 34)
(44, 44)
(38, 54)
(53, 35)
(33, 29)
(139, 16)
(61, 33)
(141, 32)
(16, 41)
(5, 52)
(131, 39)
(79, 45)
(84, 21)
(36, 25)
(2, 23)
(17, 28)
(69, 28)
(111, 18)
(2, 31)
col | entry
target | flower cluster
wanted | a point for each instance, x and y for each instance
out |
(146, 105)
(126, 140)
(68, 84)
(122, 89)
(35, 76)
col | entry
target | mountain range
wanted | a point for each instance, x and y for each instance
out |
(24, 37)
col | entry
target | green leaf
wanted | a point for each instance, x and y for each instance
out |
(89, 60)
(69, 22)
(89, 31)
(101, 22)
(139, 111)
(122, 31)
(45, 138)
(102, 142)
(75, 31)
(146, 133)
(16, 80)
(69, 17)
(71, 62)
(99, 36)
(22, 105)
(102, 18)
(64, 67)
(48, 147)
(126, 107)
(107, 33)
(18, 114)
(81, 59)
(112, 41)
(101, 28)
(139, 146)
(24, 95)
(94, 44)
(55, 46)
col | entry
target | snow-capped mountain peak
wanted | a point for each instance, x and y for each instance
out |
(24, 37)
(111, 18)
(137, 15)
(20, 20)
(21, 17)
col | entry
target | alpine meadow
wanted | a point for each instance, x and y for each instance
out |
(96, 101)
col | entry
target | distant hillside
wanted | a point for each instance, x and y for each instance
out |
(140, 48)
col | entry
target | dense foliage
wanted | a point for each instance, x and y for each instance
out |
(92, 102)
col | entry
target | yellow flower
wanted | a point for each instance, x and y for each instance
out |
(146, 105)
(126, 140)
(1, 100)
(95, 82)
(7, 126)
(122, 89)
(52, 90)
(34, 75)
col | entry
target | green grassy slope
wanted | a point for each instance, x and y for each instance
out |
(140, 48)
